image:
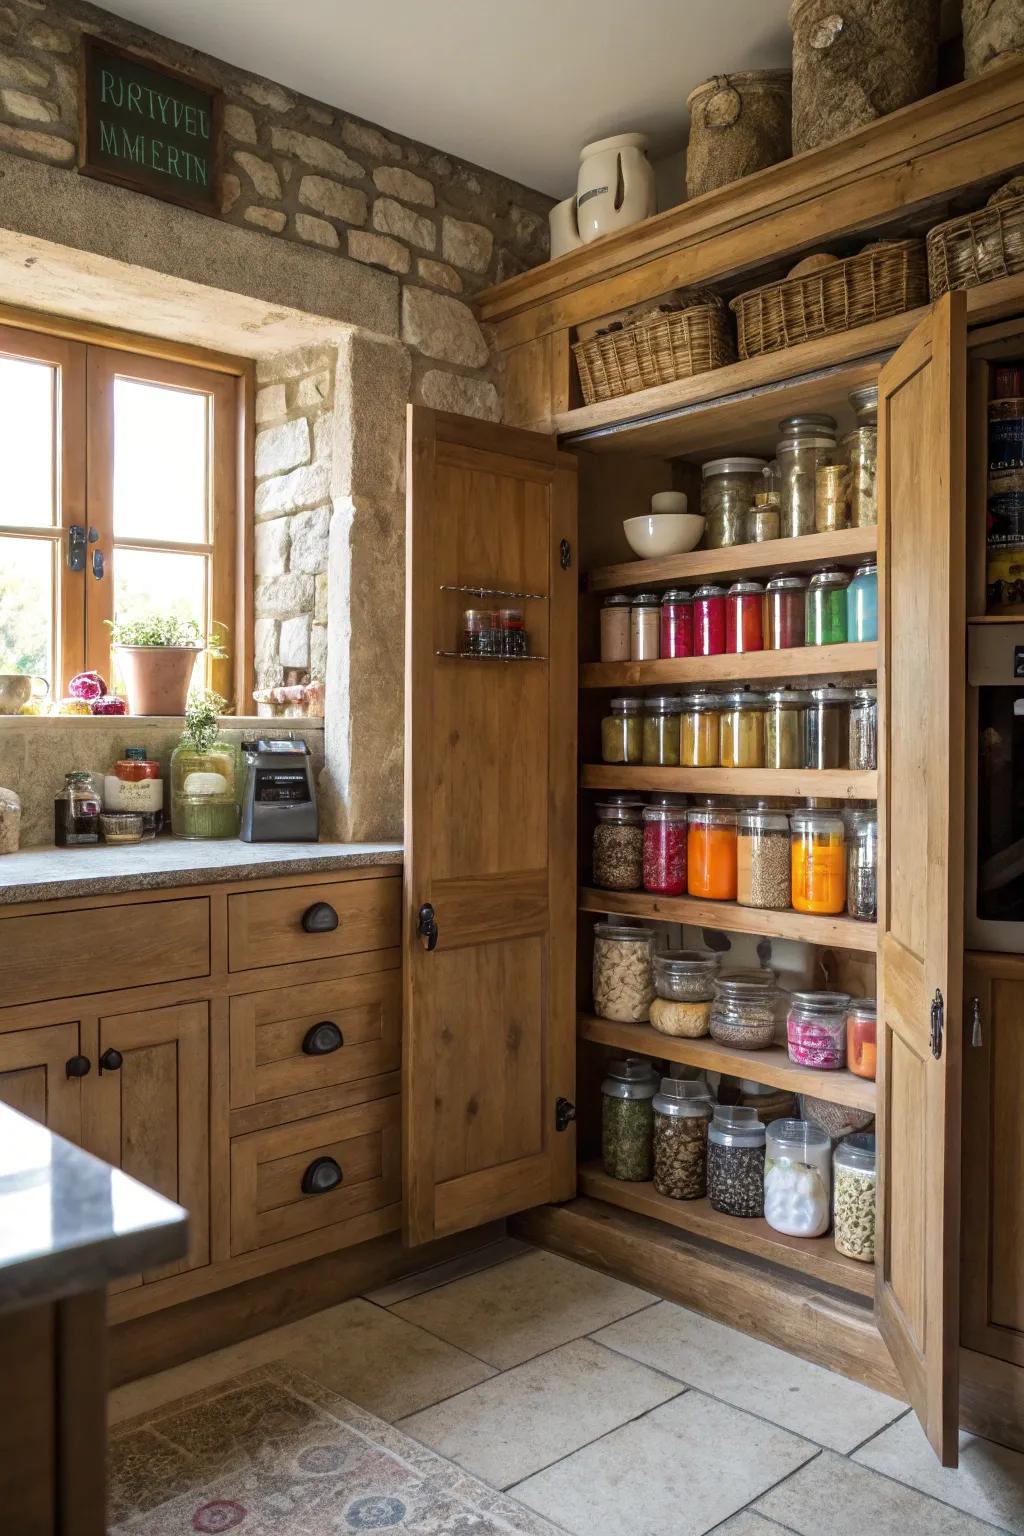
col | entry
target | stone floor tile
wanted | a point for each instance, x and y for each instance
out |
(451, 1269)
(523, 1308)
(839, 1497)
(681, 1469)
(749, 1523)
(513, 1425)
(806, 1398)
(988, 1483)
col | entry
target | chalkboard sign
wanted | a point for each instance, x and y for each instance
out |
(148, 127)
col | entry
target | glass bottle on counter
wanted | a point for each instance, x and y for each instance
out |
(676, 624)
(864, 729)
(711, 853)
(709, 621)
(797, 1178)
(744, 618)
(664, 850)
(736, 1150)
(861, 449)
(741, 729)
(862, 603)
(818, 862)
(615, 611)
(763, 859)
(785, 613)
(622, 732)
(816, 1029)
(807, 442)
(699, 732)
(76, 811)
(136, 786)
(728, 488)
(204, 790)
(785, 728)
(661, 730)
(618, 847)
(853, 1182)
(862, 1036)
(827, 728)
(826, 622)
(627, 1119)
(645, 627)
(682, 1114)
(862, 865)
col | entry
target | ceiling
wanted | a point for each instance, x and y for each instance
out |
(515, 87)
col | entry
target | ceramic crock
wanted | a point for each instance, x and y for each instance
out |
(565, 235)
(615, 186)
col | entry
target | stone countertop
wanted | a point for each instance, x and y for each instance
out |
(53, 874)
(71, 1223)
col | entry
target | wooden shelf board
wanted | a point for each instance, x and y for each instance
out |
(729, 917)
(846, 546)
(771, 1066)
(814, 1256)
(810, 661)
(799, 783)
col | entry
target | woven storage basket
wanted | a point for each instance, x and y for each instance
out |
(655, 350)
(881, 280)
(976, 247)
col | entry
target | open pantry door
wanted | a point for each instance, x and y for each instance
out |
(490, 824)
(922, 552)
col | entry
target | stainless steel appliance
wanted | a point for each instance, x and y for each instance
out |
(279, 797)
(994, 919)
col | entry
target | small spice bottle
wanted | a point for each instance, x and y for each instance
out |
(615, 612)
(785, 724)
(785, 620)
(736, 1143)
(711, 853)
(816, 1029)
(744, 618)
(661, 730)
(664, 849)
(864, 728)
(741, 730)
(622, 732)
(682, 1114)
(618, 847)
(76, 811)
(818, 862)
(826, 622)
(709, 621)
(479, 636)
(699, 732)
(862, 1036)
(627, 1119)
(763, 859)
(676, 624)
(135, 786)
(511, 627)
(862, 603)
(853, 1182)
(827, 728)
(645, 627)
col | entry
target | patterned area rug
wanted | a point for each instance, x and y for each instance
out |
(273, 1453)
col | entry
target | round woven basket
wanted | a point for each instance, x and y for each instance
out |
(739, 124)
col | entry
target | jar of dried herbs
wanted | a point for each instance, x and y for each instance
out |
(627, 1119)
(807, 442)
(861, 449)
(682, 1113)
(736, 1143)
(623, 972)
(618, 847)
(853, 1184)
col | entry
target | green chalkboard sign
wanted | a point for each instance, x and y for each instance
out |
(148, 127)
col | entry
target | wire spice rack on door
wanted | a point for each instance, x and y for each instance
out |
(493, 634)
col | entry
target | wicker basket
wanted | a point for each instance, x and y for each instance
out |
(654, 350)
(976, 247)
(884, 279)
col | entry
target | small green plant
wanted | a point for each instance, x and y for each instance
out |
(202, 712)
(165, 630)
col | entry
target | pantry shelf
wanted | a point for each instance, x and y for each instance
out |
(751, 667)
(771, 1066)
(846, 546)
(799, 783)
(729, 917)
(816, 1256)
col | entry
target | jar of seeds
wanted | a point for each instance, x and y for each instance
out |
(623, 972)
(682, 1113)
(627, 1119)
(853, 1184)
(618, 847)
(864, 728)
(736, 1143)
(743, 1012)
(862, 864)
(763, 860)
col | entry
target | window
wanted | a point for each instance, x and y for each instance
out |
(118, 500)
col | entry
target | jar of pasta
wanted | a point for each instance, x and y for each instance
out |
(744, 617)
(818, 861)
(862, 1036)
(622, 732)
(676, 624)
(785, 613)
(618, 847)
(661, 730)
(664, 849)
(826, 622)
(709, 621)
(785, 728)
(699, 735)
(741, 730)
(827, 728)
(861, 449)
(623, 972)
(711, 853)
(816, 1029)
(615, 626)
(762, 859)
(645, 627)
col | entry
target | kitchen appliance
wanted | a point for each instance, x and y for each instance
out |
(995, 787)
(279, 797)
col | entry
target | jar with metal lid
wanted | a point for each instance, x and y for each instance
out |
(711, 853)
(806, 443)
(831, 498)
(682, 1114)
(764, 520)
(827, 728)
(862, 1036)
(623, 972)
(664, 849)
(826, 622)
(709, 621)
(479, 632)
(816, 1029)
(744, 618)
(743, 1012)
(864, 728)
(736, 1147)
(76, 811)
(618, 847)
(762, 860)
(676, 624)
(699, 734)
(645, 627)
(818, 861)
(622, 732)
(785, 613)
(853, 1180)
(770, 1103)
(685, 983)
(661, 730)
(615, 611)
(797, 1178)
(627, 1119)
(862, 865)
(862, 603)
(727, 495)
(741, 730)
(785, 725)
(861, 449)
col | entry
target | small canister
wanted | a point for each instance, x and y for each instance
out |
(744, 618)
(512, 640)
(645, 627)
(478, 632)
(764, 518)
(699, 732)
(826, 622)
(831, 498)
(736, 1143)
(862, 603)
(785, 728)
(741, 729)
(627, 1119)
(618, 847)
(615, 626)
(797, 1178)
(661, 730)
(864, 728)
(862, 1036)
(682, 1114)
(785, 613)
(861, 449)
(827, 728)
(676, 624)
(622, 731)
(853, 1182)
(664, 849)
(709, 621)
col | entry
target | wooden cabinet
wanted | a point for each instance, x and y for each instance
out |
(39, 1075)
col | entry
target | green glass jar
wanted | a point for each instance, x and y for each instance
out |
(204, 791)
(826, 608)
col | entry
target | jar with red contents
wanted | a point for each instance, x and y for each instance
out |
(744, 614)
(709, 621)
(676, 624)
(136, 786)
(785, 606)
(665, 849)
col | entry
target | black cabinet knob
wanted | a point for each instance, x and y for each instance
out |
(322, 1039)
(320, 918)
(322, 1175)
(78, 1066)
(426, 925)
(111, 1060)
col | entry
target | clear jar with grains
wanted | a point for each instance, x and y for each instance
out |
(744, 618)
(864, 729)
(797, 1178)
(736, 1147)
(623, 972)
(622, 732)
(685, 983)
(627, 1119)
(763, 859)
(785, 613)
(826, 620)
(853, 1181)
(741, 730)
(862, 1037)
(816, 1029)
(827, 728)
(618, 847)
(806, 443)
(743, 1013)
(682, 1114)
(727, 495)
(615, 611)
(785, 727)
(645, 627)
(861, 449)
(711, 853)
(699, 730)
(862, 865)
(664, 849)
(661, 730)
(818, 862)
(676, 624)
(831, 498)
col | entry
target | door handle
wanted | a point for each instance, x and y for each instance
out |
(78, 1066)
(97, 564)
(937, 1019)
(322, 1039)
(976, 1039)
(319, 918)
(111, 1060)
(322, 1175)
(426, 926)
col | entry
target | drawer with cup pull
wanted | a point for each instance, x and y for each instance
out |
(313, 922)
(294, 1039)
(313, 1173)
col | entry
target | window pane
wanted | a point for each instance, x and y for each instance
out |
(26, 443)
(148, 584)
(160, 458)
(26, 606)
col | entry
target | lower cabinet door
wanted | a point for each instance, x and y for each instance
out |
(41, 1073)
(148, 1113)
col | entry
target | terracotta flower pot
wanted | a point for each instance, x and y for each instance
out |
(156, 677)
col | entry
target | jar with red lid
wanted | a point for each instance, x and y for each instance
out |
(511, 632)
(785, 613)
(709, 621)
(744, 613)
(676, 624)
(665, 832)
(136, 786)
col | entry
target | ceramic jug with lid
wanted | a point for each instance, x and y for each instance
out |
(615, 187)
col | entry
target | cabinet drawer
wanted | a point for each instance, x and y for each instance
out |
(268, 1204)
(265, 927)
(274, 1036)
(46, 956)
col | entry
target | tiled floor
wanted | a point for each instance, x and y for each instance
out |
(612, 1413)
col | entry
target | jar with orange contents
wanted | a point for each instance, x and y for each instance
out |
(861, 1036)
(818, 861)
(711, 853)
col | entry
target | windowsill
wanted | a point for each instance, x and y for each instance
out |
(169, 722)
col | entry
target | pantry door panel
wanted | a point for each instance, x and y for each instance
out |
(920, 918)
(490, 827)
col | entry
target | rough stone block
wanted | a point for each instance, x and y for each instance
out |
(329, 197)
(455, 392)
(371, 391)
(53, 39)
(8, 24)
(281, 448)
(32, 108)
(239, 124)
(266, 218)
(466, 245)
(378, 250)
(404, 185)
(320, 598)
(287, 366)
(294, 641)
(281, 597)
(266, 94)
(314, 390)
(439, 273)
(442, 327)
(309, 532)
(265, 645)
(27, 141)
(230, 192)
(301, 488)
(270, 556)
(370, 141)
(390, 218)
(316, 231)
(19, 71)
(270, 403)
(318, 153)
(318, 652)
(260, 172)
(323, 437)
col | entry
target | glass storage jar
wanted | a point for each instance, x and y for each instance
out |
(861, 449)
(699, 735)
(785, 727)
(204, 791)
(661, 730)
(76, 811)
(862, 1036)
(744, 618)
(762, 859)
(853, 1180)
(135, 787)
(741, 730)
(479, 632)
(864, 728)
(622, 732)
(645, 627)
(818, 867)
(682, 1114)
(676, 624)
(807, 442)
(664, 849)
(709, 621)
(862, 865)
(615, 611)
(623, 972)
(727, 494)
(785, 613)
(736, 1143)
(764, 518)
(827, 728)
(685, 983)
(862, 603)
(627, 1119)
(797, 1178)
(711, 853)
(618, 847)
(512, 637)
(816, 1029)
(826, 622)
(744, 1008)
(831, 498)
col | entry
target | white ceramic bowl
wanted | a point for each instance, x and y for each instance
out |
(663, 533)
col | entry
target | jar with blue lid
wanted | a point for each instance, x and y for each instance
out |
(862, 603)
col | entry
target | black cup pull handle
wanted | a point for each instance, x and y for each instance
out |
(322, 1039)
(78, 1066)
(111, 1060)
(322, 1175)
(320, 918)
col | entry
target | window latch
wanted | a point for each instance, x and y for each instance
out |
(76, 547)
(97, 564)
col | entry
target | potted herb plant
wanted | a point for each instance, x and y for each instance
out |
(204, 773)
(156, 657)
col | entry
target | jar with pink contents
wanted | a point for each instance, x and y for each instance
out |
(676, 624)
(816, 1029)
(665, 850)
(709, 621)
